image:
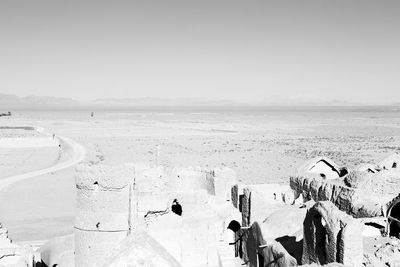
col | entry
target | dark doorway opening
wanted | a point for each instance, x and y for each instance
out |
(260, 260)
(321, 237)
(293, 247)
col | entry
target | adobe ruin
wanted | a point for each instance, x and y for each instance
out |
(331, 236)
(103, 214)
(358, 193)
(322, 166)
(304, 222)
(116, 204)
(355, 205)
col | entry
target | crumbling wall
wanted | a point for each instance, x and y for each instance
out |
(246, 207)
(345, 198)
(210, 182)
(257, 201)
(235, 196)
(223, 180)
(350, 245)
(256, 204)
(103, 210)
(111, 199)
(192, 187)
(192, 241)
(321, 166)
(151, 184)
(265, 199)
(189, 179)
(330, 235)
(261, 251)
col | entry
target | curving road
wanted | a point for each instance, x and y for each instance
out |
(77, 156)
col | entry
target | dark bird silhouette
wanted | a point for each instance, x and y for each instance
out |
(234, 226)
(176, 207)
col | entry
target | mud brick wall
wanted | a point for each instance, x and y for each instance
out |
(257, 249)
(246, 207)
(103, 211)
(342, 196)
(330, 235)
(235, 196)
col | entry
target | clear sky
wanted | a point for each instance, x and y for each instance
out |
(236, 50)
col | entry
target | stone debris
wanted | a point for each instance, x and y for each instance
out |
(387, 254)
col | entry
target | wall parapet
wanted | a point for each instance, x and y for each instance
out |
(347, 199)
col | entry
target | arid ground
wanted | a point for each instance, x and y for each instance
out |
(260, 145)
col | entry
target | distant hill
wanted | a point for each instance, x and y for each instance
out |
(164, 102)
(278, 100)
(10, 102)
(35, 102)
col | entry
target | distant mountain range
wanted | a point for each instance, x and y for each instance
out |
(35, 102)
(45, 102)
(13, 102)
(163, 102)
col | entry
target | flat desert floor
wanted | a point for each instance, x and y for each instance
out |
(262, 146)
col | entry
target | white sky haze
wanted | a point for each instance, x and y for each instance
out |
(234, 50)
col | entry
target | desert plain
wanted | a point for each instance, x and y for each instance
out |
(263, 145)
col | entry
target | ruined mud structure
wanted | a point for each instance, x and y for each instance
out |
(325, 216)
(361, 193)
(103, 215)
(331, 236)
(119, 205)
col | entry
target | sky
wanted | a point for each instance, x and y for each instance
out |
(249, 51)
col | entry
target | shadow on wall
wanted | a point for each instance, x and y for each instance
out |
(293, 247)
(330, 235)
(255, 251)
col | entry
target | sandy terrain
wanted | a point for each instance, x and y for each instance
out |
(260, 146)
(15, 161)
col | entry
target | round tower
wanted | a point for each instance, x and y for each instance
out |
(102, 211)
